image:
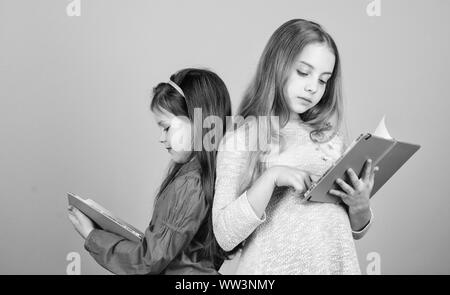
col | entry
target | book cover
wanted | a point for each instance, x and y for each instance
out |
(104, 218)
(386, 153)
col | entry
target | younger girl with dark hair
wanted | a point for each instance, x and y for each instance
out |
(179, 238)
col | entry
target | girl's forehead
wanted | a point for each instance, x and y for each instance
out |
(317, 56)
(163, 115)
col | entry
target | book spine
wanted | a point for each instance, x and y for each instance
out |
(119, 223)
(388, 150)
(307, 195)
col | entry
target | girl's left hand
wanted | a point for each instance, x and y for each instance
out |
(356, 196)
(81, 222)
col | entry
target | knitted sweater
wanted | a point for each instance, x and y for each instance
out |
(293, 236)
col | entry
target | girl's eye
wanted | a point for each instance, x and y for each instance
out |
(322, 82)
(166, 129)
(301, 73)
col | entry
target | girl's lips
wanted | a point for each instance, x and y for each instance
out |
(305, 99)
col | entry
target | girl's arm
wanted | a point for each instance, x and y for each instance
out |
(356, 195)
(261, 191)
(164, 239)
(360, 221)
(236, 216)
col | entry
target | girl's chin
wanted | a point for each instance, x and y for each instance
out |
(300, 110)
(300, 107)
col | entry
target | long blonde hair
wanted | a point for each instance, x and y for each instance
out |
(265, 95)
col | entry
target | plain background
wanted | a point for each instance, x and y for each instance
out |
(74, 111)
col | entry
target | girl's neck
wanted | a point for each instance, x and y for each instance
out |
(189, 160)
(295, 118)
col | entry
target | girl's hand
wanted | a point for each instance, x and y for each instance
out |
(81, 222)
(356, 196)
(289, 176)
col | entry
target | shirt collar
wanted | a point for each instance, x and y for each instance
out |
(192, 164)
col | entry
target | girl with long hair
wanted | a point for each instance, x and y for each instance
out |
(258, 205)
(179, 238)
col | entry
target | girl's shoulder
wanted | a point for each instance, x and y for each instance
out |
(186, 187)
(189, 174)
(183, 203)
(192, 167)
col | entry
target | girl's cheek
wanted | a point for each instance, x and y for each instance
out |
(181, 140)
(180, 134)
(322, 92)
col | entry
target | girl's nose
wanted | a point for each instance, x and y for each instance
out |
(311, 87)
(162, 137)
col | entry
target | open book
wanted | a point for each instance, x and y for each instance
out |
(386, 153)
(105, 219)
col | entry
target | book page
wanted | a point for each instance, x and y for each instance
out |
(117, 220)
(98, 207)
(381, 130)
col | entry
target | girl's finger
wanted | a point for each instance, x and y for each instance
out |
(300, 179)
(367, 170)
(353, 177)
(73, 219)
(71, 213)
(337, 193)
(78, 213)
(372, 175)
(345, 187)
(299, 186)
(314, 178)
(307, 181)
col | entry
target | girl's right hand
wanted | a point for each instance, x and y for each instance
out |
(299, 179)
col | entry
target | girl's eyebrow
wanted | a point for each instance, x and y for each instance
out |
(161, 123)
(312, 67)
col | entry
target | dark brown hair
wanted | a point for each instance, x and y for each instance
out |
(205, 90)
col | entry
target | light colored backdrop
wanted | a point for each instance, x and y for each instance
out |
(75, 91)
